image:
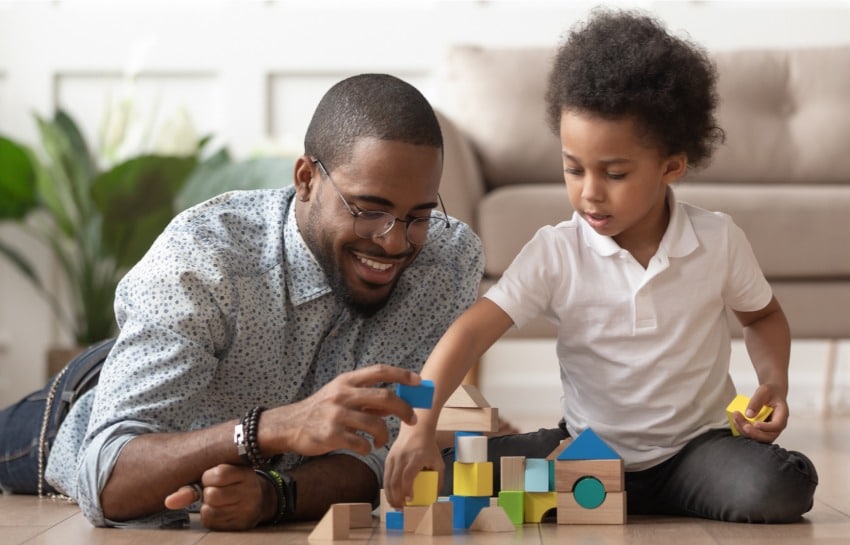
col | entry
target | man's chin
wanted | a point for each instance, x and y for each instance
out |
(365, 306)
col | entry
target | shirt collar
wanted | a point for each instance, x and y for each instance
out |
(679, 239)
(305, 278)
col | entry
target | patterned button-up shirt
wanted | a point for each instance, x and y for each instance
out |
(229, 309)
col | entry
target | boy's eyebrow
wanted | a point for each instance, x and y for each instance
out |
(613, 161)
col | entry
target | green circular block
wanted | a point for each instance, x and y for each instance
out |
(589, 492)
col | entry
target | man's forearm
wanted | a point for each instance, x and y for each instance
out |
(154, 465)
(332, 479)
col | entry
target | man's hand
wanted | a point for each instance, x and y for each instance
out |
(331, 418)
(233, 498)
(769, 430)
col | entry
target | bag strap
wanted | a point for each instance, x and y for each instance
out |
(83, 373)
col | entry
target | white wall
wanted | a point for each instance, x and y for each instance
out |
(250, 72)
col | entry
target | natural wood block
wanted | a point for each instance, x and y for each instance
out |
(512, 473)
(437, 520)
(492, 519)
(334, 525)
(467, 396)
(609, 472)
(359, 514)
(559, 449)
(612, 510)
(413, 516)
(457, 419)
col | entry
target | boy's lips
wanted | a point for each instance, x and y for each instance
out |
(597, 221)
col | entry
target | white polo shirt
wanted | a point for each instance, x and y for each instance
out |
(644, 353)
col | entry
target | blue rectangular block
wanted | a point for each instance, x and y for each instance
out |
(395, 520)
(420, 396)
(466, 508)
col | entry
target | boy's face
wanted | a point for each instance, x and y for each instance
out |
(616, 182)
(382, 175)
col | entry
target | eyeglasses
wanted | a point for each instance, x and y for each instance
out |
(372, 224)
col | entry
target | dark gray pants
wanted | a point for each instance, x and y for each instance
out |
(716, 476)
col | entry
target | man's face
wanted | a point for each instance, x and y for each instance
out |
(401, 179)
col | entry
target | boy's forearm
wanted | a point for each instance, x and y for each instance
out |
(768, 342)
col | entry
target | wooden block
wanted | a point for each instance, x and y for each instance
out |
(588, 446)
(424, 488)
(394, 520)
(471, 449)
(417, 396)
(492, 519)
(513, 501)
(437, 520)
(612, 510)
(465, 509)
(536, 475)
(609, 472)
(559, 449)
(536, 504)
(413, 516)
(455, 419)
(359, 514)
(334, 525)
(739, 404)
(466, 396)
(384, 507)
(473, 479)
(512, 473)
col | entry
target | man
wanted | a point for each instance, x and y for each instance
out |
(282, 299)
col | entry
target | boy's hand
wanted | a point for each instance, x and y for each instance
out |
(769, 430)
(413, 451)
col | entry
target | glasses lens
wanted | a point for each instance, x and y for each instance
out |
(423, 230)
(371, 224)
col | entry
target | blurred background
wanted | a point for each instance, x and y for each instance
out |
(156, 77)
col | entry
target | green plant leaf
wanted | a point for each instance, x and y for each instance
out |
(18, 194)
(218, 174)
(136, 200)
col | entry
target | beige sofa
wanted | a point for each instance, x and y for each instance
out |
(783, 173)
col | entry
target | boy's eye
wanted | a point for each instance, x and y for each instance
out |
(572, 171)
(616, 176)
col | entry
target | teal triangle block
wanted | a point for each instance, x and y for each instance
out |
(588, 446)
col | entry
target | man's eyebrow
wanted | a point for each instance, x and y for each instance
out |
(381, 201)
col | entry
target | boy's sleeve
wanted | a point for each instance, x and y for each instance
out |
(746, 289)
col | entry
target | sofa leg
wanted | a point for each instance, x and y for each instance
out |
(829, 376)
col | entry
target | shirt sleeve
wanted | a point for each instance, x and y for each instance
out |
(746, 289)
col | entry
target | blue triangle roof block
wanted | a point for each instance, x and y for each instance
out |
(588, 446)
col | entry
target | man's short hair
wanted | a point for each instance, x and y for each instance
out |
(369, 106)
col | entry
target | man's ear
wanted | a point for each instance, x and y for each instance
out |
(305, 170)
(674, 167)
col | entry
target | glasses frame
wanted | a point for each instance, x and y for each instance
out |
(355, 214)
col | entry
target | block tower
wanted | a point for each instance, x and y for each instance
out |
(589, 481)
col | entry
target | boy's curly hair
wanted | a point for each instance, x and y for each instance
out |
(625, 64)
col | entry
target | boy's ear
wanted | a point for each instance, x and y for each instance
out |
(675, 167)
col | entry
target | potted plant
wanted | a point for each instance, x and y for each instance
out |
(98, 222)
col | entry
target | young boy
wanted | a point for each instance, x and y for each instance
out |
(638, 285)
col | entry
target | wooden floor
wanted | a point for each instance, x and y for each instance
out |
(37, 521)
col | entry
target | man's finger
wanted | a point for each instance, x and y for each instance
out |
(184, 496)
(375, 374)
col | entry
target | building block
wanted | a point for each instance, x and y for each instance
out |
(589, 492)
(394, 520)
(425, 486)
(609, 472)
(466, 396)
(413, 516)
(359, 514)
(588, 446)
(492, 519)
(611, 511)
(420, 396)
(512, 473)
(466, 508)
(739, 404)
(512, 501)
(464, 434)
(468, 419)
(559, 449)
(470, 448)
(536, 475)
(335, 524)
(437, 520)
(473, 479)
(536, 504)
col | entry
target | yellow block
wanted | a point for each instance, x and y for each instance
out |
(474, 479)
(739, 404)
(535, 505)
(424, 488)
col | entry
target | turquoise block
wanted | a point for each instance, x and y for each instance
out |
(536, 475)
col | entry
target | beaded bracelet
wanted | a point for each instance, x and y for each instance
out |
(277, 481)
(245, 437)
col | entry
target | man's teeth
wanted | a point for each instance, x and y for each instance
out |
(375, 264)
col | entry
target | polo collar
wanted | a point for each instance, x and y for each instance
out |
(679, 239)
